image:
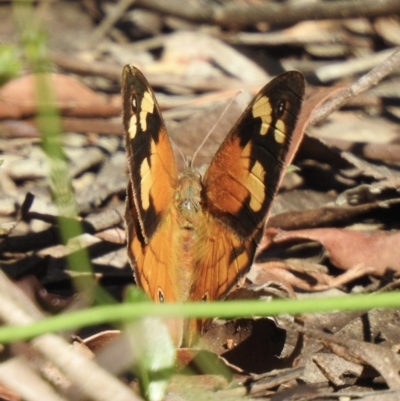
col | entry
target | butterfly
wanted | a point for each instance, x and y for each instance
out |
(191, 238)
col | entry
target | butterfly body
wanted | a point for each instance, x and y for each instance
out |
(193, 238)
(188, 196)
(190, 238)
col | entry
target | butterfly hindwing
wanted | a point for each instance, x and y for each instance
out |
(245, 173)
(219, 262)
(154, 261)
(151, 162)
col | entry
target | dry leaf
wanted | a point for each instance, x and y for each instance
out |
(18, 98)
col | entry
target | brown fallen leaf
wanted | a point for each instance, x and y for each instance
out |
(347, 249)
(18, 98)
(301, 275)
(272, 276)
(382, 359)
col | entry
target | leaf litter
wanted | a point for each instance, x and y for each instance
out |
(333, 230)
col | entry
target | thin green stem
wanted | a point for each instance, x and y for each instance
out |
(226, 309)
(33, 39)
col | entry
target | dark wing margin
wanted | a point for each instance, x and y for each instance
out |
(245, 174)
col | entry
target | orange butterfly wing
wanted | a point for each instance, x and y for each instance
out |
(151, 162)
(221, 258)
(191, 240)
(244, 175)
(239, 187)
(151, 189)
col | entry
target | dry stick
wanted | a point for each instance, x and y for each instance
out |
(232, 15)
(94, 382)
(149, 44)
(91, 224)
(82, 67)
(18, 376)
(109, 21)
(346, 68)
(28, 129)
(283, 37)
(94, 222)
(300, 11)
(100, 126)
(365, 82)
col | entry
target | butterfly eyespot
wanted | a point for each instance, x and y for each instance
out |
(281, 108)
(161, 296)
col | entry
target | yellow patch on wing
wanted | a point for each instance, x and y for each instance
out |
(147, 106)
(245, 162)
(132, 126)
(279, 132)
(262, 108)
(145, 184)
(242, 175)
(256, 186)
(254, 180)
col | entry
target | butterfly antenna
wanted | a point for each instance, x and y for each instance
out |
(177, 148)
(213, 127)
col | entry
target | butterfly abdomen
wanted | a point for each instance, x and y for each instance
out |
(190, 229)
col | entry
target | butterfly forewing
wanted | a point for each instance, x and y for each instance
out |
(245, 173)
(151, 162)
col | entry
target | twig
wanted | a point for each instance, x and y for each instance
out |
(284, 38)
(109, 21)
(338, 70)
(107, 219)
(365, 82)
(273, 13)
(100, 126)
(28, 128)
(16, 308)
(17, 375)
(325, 216)
(82, 67)
(109, 181)
(49, 237)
